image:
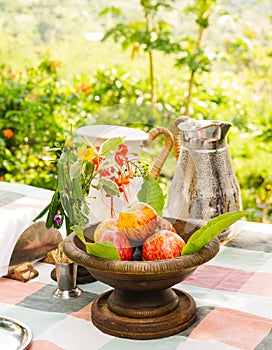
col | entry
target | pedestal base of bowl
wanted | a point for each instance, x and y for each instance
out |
(142, 303)
(118, 325)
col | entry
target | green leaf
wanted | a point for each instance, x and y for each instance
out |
(213, 228)
(61, 178)
(53, 210)
(151, 193)
(67, 225)
(89, 169)
(63, 158)
(110, 146)
(106, 250)
(75, 169)
(80, 216)
(65, 201)
(109, 186)
(110, 9)
(78, 190)
(79, 232)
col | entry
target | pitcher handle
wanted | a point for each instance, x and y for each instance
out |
(176, 135)
(168, 144)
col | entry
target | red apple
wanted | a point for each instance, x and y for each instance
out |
(137, 221)
(164, 224)
(119, 240)
(162, 245)
(108, 224)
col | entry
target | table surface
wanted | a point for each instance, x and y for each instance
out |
(233, 294)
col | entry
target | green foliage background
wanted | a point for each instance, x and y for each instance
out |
(53, 78)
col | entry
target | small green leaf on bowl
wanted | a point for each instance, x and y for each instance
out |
(213, 228)
(106, 250)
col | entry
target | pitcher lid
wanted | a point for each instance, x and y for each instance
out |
(204, 129)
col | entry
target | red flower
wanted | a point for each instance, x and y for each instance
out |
(105, 172)
(121, 155)
(93, 155)
(122, 180)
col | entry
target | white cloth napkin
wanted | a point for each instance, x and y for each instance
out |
(19, 205)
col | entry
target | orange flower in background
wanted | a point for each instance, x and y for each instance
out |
(53, 66)
(12, 74)
(83, 87)
(135, 50)
(70, 143)
(8, 133)
(32, 96)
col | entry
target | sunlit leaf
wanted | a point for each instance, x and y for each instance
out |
(213, 228)
(110, 146)
(151, 193)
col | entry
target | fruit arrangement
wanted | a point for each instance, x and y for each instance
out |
(140, 234)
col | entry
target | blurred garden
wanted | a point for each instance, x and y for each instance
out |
(205, 59)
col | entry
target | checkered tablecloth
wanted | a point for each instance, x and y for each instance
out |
(233, 293)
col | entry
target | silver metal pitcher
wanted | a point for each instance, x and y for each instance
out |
(204, 184)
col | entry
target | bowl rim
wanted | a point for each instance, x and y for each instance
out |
(189, 261)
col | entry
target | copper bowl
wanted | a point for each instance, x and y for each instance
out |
(142, 304)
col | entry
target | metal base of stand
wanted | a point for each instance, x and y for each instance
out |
(67, 294)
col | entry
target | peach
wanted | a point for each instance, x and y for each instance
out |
(137, 221)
